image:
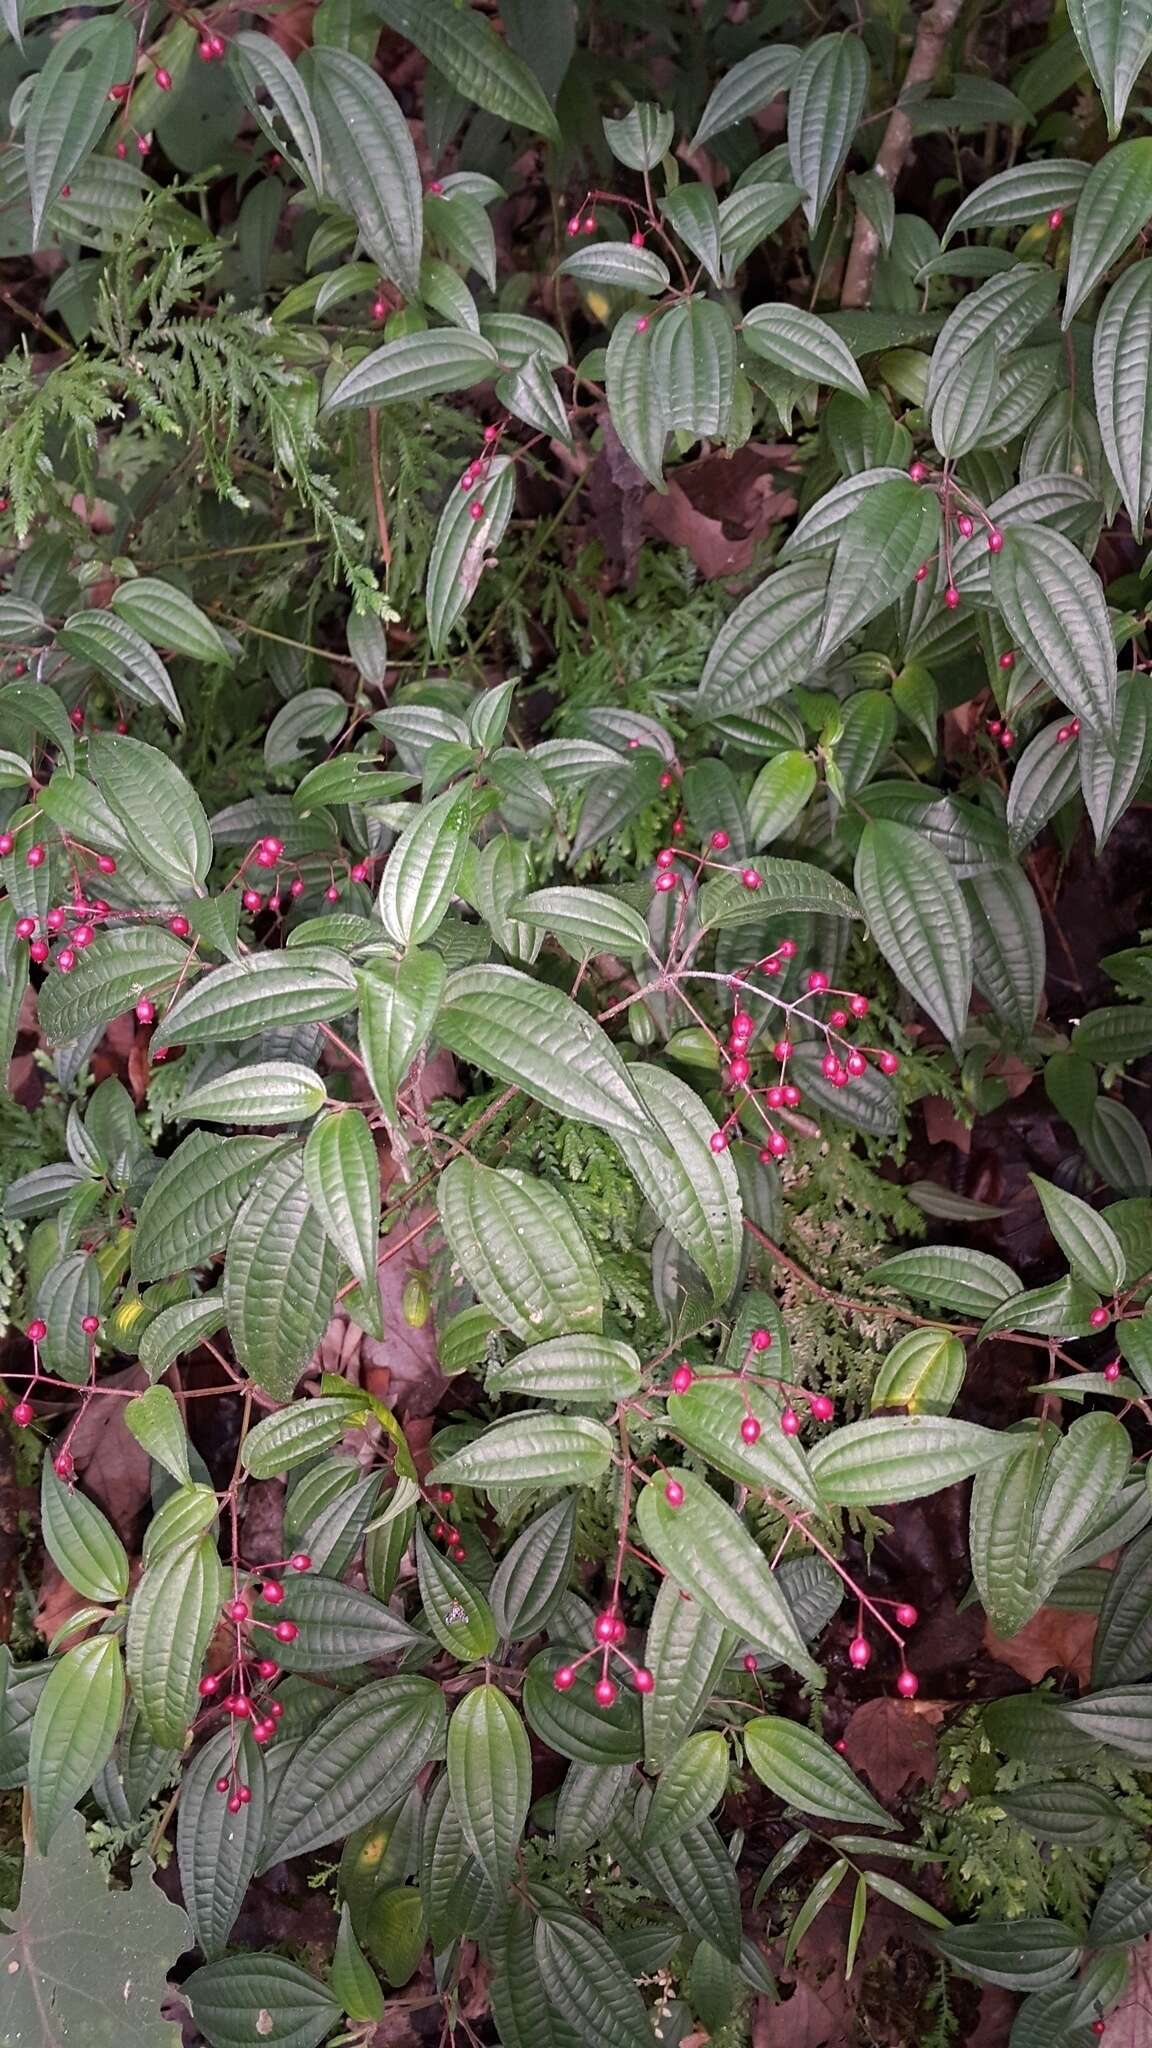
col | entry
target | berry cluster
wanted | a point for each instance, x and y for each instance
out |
(610, 1631)
(966, 520)
(478, 468)
(242, 1689)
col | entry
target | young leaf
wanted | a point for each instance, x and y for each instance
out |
(808, 1774)
(75, 1726)
(919, 920)
(826, 98)
(490, 1776)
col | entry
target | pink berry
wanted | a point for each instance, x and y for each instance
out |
(145, 1011)
(332, 893)
(476, 509)
(856, 1064)
(56, 919)
(34, 858)
(379, 309)
(491, 434)
(995, 543)
(37, 1330)
(749, 878)
(119, 93)
(642, 1679)
(604, 1692)
(964, 525)
(642, 324)
(64, 1465)
(720, 841)
(792, 1096)
(822, 1408)
(858, 1005)
(564, 1678)
(264, 859)
(637, 240)
(285, 1631)
(907, 1615)
(222, 1784)
(718, 1142)
(604, 1628)
(252, 899)
(204, 50)
(1099, 1319)
(888, 1063)
(89, 1325)
(665, 857)
(25, 927)
(179, 927)
(761, 1340)
(208, 1687)
(237, 1610)
(750, 1429)
(1056, 218)
(781, 1050)
(787, 949)
(239, 1706)
(38, 951)
(297, 888)
(1112, 1370)
(774, 1096)
(952, 597)
(665, 882)
(272, 1591)
(359, 873)
(106, 864)
(1008, 660)
(859, 1652)
(301, 1562)
(817, 982)
(6, 842)
(244, 1794)
(267, 1667)
(907, 1685)
(682, 1379)
(82, 937)
(1007, 738)
(163, 79)
(830, 1066)
(22, 1414)
(673, 1493)
(262, 1731)
(235, 1803)
(573, 226)
(838, 1019)
(750, 1662)
(589, 223)
(738, 1070)
(790, 1422)
(922, 573)
(777, 1144)
(917, 471)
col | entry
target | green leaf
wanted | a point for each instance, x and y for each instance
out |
(1019, 1955)
(258, 64)
(573, 1368)
(454, 1607)
(297, 1434)
(888, 1459)
(808, 1774)
(70, 107)
(75, 1726)
(1009, 957)
(301, 985)
(170, 1624)
(530, 394)
(243, 1999)
(1085, 1473)
(827, 96)
(696, 1877)
(280, 1278)
(1020, 196)
(109, 979)
(1001, 1525)
(692, 212)
(686, 1651)
(746, 89)
(1115, 1036)
(1116, 39)
(966, 399)
(1113, 207)
(691, 1785)
(415, 366)
(1123, 1910)
(749, 215)
(802, 343)
(693, 1190)
(1044, 781)
(267, 1092)
(81, 1541)
(591, 1797)
(779, 795)
(521, 1248)
(710, 1553)
(188, 1212)
(635, 399)
(398, 1006)
(769, 643)
(1110, 781)
(532, 1576)
(536, 1037)
(1120, 1717)
(340, 1626)
(154, 1419)
(642, 136)
(354, 1981)
(1118, 1147)
(423, 868)
(1121, 354)
(694, 362)
(586, 920)
(217, 1850)
(342, 1175)
(923, 1372)
(618, 266)
(469, 54)
(490, 1776)
(572, 1723)
(166, 616)
(1054, 611)
(1086, 1239)
(586, 1982)
(883, 541)
(117, 650)
(381, 1736)
(531, 1449)
(69, 1291)
(63, 1974)
(1009, 306)
(918, 919)
(366, 141)
(463, 543)
(707, 1419)
(794, 886)
(186, 1513)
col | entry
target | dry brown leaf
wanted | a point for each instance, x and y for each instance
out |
(1129, 2024)
(1054, 1640)
(807, 2017)
(891, 1743)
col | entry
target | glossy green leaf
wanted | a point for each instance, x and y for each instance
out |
(490, 1776)
(295, 1435)
(918, 919)
(586, 920)
(1054, 610)
(81, 1541)
(381, 1736)
(749, 86)
(75, 1725)
(398, 1005)
(642, 135)
(280, 1278)
(1110, 780)
(117, 651)
(573, 1723)
(423, 868)
(1044, 780)
(474, 60)
(618, 266)
(70, 107)
(187, 1214)
(365, 139)
(692, 212)
(415, 366)
(353, 1979)
(686, 1650)
(707, 1419)
(339, 1626)
(587, 1983)
(301, 985)
(166, 616)
(687, 1790)
(896, 1458)
(807, 1773)
(159, 811)
(170, 1623)
(530, 1449)
(1009, 956)
(342, 1176)
(464, 541)
(259, 65)
(521, 1248)
(1019, 1955)
(1113, 207)
(827, 95)
(923, 1372)
(154, 1419)
(1086, 1238)
(883, 542)
(693, 1190)
(635, 399)
(769, 643)
(533, 1574)
(1123, 382)
(266, 1092)
(1021, 195)
(109, 979)
(803, 344)
(694, 362)
(580, 1368)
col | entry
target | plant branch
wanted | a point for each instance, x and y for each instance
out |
(932, 36)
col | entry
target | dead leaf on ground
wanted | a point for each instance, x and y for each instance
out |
(891, 1743)
(1129, 2024)
(1054, 1640)
(720, 507)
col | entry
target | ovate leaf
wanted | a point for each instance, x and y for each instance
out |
(303, 984)
(803, 344)
(279, 1279)
(366, 138)
(217, 1849)
(635, 398)
(75, 1726)
(1113, 206)
(342, 1175)
(808, 1774)
(694, 1190)
(371, 1746)
(519, 1244)
(827, 97)
(531, 1449)
(1086, 1239)
(1116, 38)
(474, 60)
(901, 1457)
(398, 1005)
(113, 647)
(170, 1623)
(490, 1776)
(1122, 375)
(919, 920)
(422, 869)
(70, 107)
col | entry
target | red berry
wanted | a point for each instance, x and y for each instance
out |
(56, 919)
(682, 1379)
(604, 1628)
(272, 1591)
(830, 1066)
(908, 1685)
(235, 1803)
(106, 864)
(917, 471)
(673, 1493)
(145, 1011)
(776, 1144)
(750, 1662)
(1007, 738)
(642, 1679)
(720, 841)
(637, 240)
(301, 1562)
(6, 844)
(264, 859)
(22, 1414)
(858, 1005)
(1008, 660)
(951, 597)
(208, 1687)
(163, 78)
(285, 1631)
(761, 1340)
(822, 1408)
(774, 1097)
(1097, 2027)
(995, 543)
(665, 857)
(790, 1422)
(222, 1784)
(476, 509)
(718, 1142)
(37, 1330)
(179, 927)
(457, 1552)
(781, 1050)
(244, 1794)
(82, 937)
(856, 1064)
(297, 888)
(252, 899)
(262, 1731)
(491, 434)
(665, 882)
(1100, 1318)
(964, 524)
(817, 982)
(738, 1070)
(237, 1610)
(573, 225)
(34, 858)
(750, 878)
(838, 1019)
(25, 926)
(787, 949)
(589, 223)
(332, 893)
(38, 951)
(564, 1678)
(792, 1095)
(359, 873)
(1112, 1371)
(604, 1692)
(907, 1615)
(204, 50)
(90, 1325)
(888, 1063)
(119, 93)
(922, 572)
(64, 1465)
(269, 1668)
(1056, 220)
(750, 1429)
(859, 1652)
